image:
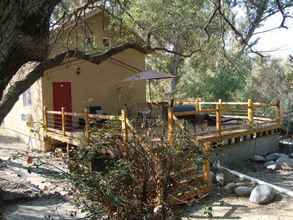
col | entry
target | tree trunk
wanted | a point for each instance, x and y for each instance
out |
(176, 59)
(24, 35)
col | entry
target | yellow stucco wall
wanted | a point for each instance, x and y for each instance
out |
(16, 126)
(99, 84)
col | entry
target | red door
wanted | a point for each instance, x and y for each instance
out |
(62, 98)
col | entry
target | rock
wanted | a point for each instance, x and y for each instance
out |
(262, 194)
(229, 188)
(220, 178)
(259, 158)
(243, 191)
(266, 164)
(228, 177)
(273, 156)
(273, 166)
(291, 155)
(284, 162)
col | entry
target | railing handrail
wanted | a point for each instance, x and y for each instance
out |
(198, 101)
(219, 110)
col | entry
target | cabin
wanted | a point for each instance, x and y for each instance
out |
(77, 84)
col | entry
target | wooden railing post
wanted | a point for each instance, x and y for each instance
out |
(63, 121)
(219, 117)
(86, 125)
(196, 105)
(206, 163)
(124, 126)
(250, 113)
(279, 113)
(199, 104)
(45, 120)
(170, 125)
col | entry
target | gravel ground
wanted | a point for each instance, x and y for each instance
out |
(233, 207)
(56, 205)
(46, 182)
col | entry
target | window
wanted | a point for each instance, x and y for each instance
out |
(27, 98)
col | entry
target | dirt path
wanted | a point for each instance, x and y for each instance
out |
(49, 190)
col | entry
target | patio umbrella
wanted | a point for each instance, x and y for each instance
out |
(149, 75)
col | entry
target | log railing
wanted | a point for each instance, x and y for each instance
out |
(70, 122)
(252, 114)
(67, 122)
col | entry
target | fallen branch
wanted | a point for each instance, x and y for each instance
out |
(244, 176)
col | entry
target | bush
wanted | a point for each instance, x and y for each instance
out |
(129, 182)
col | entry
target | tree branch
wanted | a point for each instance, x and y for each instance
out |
(281, 9)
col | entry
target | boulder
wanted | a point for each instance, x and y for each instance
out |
(273, 166)
(259, 159)
(273, 157)
(243, 191)
(229, 188)
(262, 194)
(220, 178)
(284, 162)
(271, 162)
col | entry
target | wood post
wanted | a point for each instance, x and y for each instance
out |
(196, 105)
(45, 120)
(199, 104)
(124, 126)
(63, 120)
(279, 114)
(86, 125)
(206, 164)
(170, 125)
(250, 113)
(219, 117)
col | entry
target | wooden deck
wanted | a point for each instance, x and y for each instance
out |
(75, 129)
(63, 126)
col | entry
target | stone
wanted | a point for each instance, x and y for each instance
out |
(220, 178)
(285, 163)
(274, 166)
(228, 177)
(262, 194)
(243, 191)
(284, 155)
(273, 157)
(229, 188)
(268, 163)
(259, 158)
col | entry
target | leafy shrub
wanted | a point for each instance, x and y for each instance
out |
(130, 181)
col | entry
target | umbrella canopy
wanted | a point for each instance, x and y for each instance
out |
(148, 75)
